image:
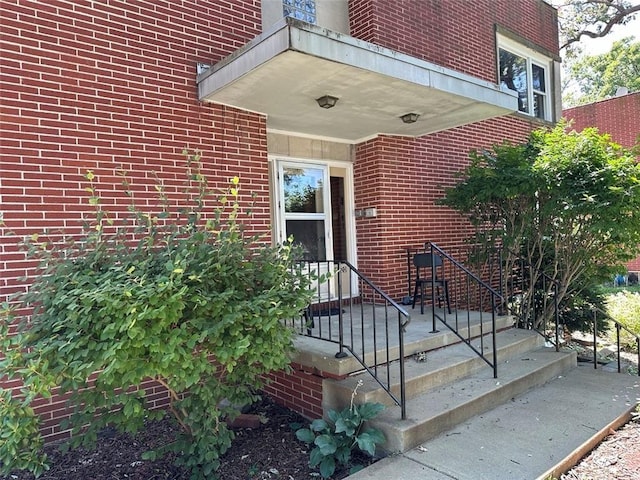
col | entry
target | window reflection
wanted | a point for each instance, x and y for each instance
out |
(537, 74)
(513, 75)
(310, 235)
(303, 190)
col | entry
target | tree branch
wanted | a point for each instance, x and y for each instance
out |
(609, 24)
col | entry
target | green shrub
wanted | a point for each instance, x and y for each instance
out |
(335, 440)
(624, 307)
(184, 298)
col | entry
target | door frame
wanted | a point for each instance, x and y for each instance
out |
(336, 168)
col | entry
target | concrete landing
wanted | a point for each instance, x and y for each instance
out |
(535, 435)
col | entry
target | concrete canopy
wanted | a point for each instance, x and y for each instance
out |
(282, 72)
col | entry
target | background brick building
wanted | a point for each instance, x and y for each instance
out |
(619, 117)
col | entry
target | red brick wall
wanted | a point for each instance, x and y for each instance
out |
(100, 86)
(403, 178)
(453, 33)
(620, 118)
(105, 85)
(300, 389)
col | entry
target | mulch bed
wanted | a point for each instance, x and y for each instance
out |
(617, 457)
(270, 451)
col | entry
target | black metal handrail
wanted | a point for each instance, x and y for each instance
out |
(346, 310)
(467, 293)
(531, 307)
(544, 306)
(543, 301)
(619, 327)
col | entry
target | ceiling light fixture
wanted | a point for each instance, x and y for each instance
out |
(410, 117)
(327, 101)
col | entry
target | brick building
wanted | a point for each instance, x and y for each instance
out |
(619, 117)
(104, 85)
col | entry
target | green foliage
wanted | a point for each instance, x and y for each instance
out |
(624, 307)
(181, 297)
(335, 439)
(567, 202)
(597, 77)
(576, 310)
(590, 18)
(20, 440)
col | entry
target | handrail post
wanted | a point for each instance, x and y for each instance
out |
(341, 353)
(501, 279)
(493, 335)
(556, 314)
(618, 344)
(638, 350)
(595, 340)
(434, 329)
(403, 398)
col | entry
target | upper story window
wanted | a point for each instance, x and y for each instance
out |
(300, 9)
(330, 14)
(528, 73)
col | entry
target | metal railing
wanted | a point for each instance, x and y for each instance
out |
(619, 327)
(537, 308)
(469, 296)
(350, 311)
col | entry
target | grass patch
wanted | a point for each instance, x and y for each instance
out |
(609, 290)
(624, 307)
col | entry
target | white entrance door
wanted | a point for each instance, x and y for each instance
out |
(305, 208)
(313, 204)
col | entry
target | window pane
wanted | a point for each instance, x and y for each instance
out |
(537, 74)
(310, 235)
(303, 190)
(300, 9)
(310, 6)
(513, 75)
(538, 105)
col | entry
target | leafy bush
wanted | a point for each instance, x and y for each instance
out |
(565, 202)
(576, 310)
(625, 308)
(335, 440)
(188, 300)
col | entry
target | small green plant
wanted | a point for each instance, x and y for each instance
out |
(335, 440)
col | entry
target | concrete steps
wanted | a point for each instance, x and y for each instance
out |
(537, 435)
(453, 385)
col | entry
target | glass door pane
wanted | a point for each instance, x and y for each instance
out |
(303, 190)
(305, 207)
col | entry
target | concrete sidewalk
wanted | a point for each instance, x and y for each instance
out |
(535, 435)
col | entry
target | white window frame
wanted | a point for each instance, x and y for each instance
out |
(532, 58)
(324, 216)
(334, 168)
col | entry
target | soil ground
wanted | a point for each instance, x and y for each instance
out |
(268, 452)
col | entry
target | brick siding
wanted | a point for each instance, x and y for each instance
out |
(102, 86)
(617, 116)
(453, 33)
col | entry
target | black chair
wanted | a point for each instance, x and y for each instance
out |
(426, 264)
